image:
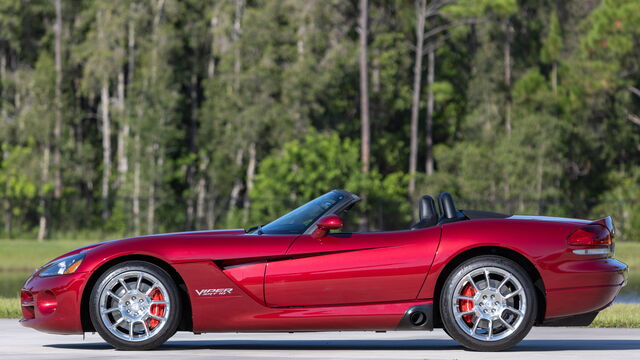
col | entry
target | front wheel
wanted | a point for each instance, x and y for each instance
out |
(488, 304)
(135, 305)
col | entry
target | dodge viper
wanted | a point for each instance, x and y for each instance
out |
(485, 278)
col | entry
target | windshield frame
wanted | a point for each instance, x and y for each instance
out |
(344, 199)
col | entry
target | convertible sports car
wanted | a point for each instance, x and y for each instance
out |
(486, 278)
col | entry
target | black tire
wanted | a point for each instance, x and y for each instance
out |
(155, 338)
(525, 298)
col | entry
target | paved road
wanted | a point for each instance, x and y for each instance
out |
(17, 342)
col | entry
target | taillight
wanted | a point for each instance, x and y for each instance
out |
(592, 234)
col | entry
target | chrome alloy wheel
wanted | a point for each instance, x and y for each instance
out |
(489, 303)
(134, 306)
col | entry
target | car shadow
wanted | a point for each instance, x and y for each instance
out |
(416, 344)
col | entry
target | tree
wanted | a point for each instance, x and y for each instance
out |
(363, 33)
(552, 49)
(421, 9)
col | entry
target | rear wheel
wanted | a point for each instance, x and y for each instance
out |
(135, 306)
(488, 303)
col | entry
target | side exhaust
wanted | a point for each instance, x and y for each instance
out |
(418, 317)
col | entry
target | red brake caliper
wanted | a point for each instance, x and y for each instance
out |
(467, 305)
(156, 309)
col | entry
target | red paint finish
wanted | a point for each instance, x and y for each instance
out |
(66, 291)
(352, 268)
(359, 281)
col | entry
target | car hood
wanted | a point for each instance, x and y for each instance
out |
(203, 233)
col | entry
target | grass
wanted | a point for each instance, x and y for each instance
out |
(619, 316)
(10, 308)
(28, 255)
(629, 253)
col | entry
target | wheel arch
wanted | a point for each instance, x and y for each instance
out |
(87, 326)
(510, 254)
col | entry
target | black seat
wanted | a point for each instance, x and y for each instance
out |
(428, 213)
(448, 209)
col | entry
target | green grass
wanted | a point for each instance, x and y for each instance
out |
(619, 316)
(629, 253)
(28, 255)
(10, 308)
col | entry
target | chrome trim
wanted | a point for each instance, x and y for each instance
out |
(599, 251)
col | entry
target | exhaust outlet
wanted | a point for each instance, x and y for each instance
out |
(417, 317)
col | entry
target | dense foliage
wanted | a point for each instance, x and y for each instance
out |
(128, 117)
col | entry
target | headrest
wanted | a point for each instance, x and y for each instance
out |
(447, 207)
(428, 208)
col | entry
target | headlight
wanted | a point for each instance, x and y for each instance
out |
(67, 265)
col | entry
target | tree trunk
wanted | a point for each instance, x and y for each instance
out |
(136, 187)
(251, 171)
(211, 210)
(415, 100)
(431, 63)
(6, 202)
(237, 185)
(3, 75)
(364, 87)
(42, 226)
(57, 129)
(151, 208)
(237, 31)
(106, 147)
(365, 129)
(507, 77)
(201, 192)
(123, 132)
(191, 147)
(5, 153)
(554, 77)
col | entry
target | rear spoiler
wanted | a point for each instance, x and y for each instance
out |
(606, 222)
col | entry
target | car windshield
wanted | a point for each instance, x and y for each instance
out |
(298, 220)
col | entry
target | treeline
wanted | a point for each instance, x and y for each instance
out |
(129, 117)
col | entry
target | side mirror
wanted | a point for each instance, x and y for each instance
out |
(325, 224)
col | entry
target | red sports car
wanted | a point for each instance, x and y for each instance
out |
(486, 278)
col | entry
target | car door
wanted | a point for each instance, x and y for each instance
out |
(351, 268)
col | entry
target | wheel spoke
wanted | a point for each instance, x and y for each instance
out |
(107, 311)
(462, 313)
(475, 326)
(490, 329)
(159, 302)
(113, 295)
(156, 317)
(504, 282)
(506, 324)
(124, 284)
(146, 328)
(470, 280)
(153, 287)
(514, 310)
(118, 322)
(131, 329)
(138, 282)
(460, 297)
(486, 275)
(510, 295)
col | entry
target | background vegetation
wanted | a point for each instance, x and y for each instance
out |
(128, 117)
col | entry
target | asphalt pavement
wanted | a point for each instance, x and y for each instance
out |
(17, 342)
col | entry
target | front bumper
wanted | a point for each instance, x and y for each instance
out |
(53, 304)
(572, 301)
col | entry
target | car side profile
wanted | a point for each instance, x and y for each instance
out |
(485, 278)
